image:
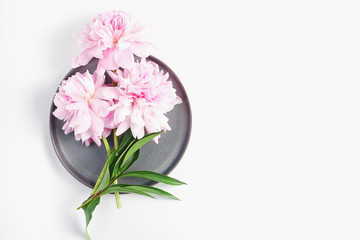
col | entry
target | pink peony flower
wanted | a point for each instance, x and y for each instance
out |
(113, 38)
(145, 96)
(83, 104)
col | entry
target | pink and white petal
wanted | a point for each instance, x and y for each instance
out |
(109, 121)
(137, 123)
(124, 58)
(61, 113)
(122, 127)
(88, 84)
(142, 32)
(116, 76)
(86, 135)
(178, 100)
(68, 130)
(162, 121)
(85, 56)
(66, 127)
(97, 125)
(148, 130)
(77, 137)
(113, 76)
(60, 99)
(96, 140)
(156, 139)
(106, 132)
(137, 131)
(99, 76)
(108, 61)
(87, 142)
(107, 93)
(74, 90)
(80, 121)
(150, 125)
(99, 107)
(121, 113)
(121, 45)
(142, 49)
(76, 106)
(105, 34)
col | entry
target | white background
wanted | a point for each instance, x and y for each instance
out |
(274, 151)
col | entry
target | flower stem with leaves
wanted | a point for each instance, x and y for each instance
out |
(120, 159)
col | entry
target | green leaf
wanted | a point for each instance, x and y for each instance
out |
(158, 177)
(133, 150)
(126, 136)
(129, 163)
(127, 150)
(121, 189)
(139, 143)
(122, 151)
(150, 189)
(88, 210)
(105, 181)
(112, 158)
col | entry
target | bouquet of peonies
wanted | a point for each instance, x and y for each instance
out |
(132, 109)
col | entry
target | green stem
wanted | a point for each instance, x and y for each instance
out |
(116, 143)
(89, 200)
(113, 181)
(107, 147)
(117, 195)
(98, 193)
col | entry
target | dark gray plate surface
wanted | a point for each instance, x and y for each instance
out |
(86, 163)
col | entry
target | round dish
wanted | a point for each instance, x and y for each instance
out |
(86, 163)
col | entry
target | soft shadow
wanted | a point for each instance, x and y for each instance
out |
(59, 51)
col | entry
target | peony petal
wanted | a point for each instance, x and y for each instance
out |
(115, 76)
(85, 56)
(99, 107)
(97, 141)
(109, 121)
(108, 62)
(81, 121)
(137, 123)
(121, 112)
(137, 131)
(79, 87)
(123, 127)
(77, 137)
(88, 84)
(107, 93)
(124, 58)
(106, 132)
(61, 113)
(66, 127)
(142, 49)
(97, 125)
(156, 139)
(60, 98)
(87, 142)
(76, 106)
(122, 45)
(99, 78)
(86, 135)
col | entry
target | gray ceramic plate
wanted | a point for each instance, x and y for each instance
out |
(86, 163)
